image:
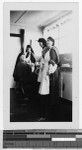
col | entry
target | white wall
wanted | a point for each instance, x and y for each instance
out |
(13, 51)
(62, 32)
(33, 34)
(66, 38)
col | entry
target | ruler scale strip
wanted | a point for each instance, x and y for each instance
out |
(35, 139)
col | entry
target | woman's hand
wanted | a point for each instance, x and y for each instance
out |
(32, 67)
(52, 68)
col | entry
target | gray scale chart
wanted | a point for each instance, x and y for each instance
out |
(59, 139)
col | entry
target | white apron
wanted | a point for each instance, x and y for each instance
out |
(43, 77)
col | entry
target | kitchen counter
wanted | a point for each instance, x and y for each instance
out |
(65, 69)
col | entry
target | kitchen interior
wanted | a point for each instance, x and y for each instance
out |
(35, 24)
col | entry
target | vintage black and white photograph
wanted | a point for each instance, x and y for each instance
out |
(41, 64)
(41, 87)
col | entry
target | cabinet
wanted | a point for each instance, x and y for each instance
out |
(66, 85)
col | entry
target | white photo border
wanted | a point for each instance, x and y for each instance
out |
(75, 74)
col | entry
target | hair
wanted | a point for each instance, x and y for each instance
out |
(43, 41)
(51, 39)
(29, 46)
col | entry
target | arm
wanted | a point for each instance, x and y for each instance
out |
(33, 60)
(53, 57)
(53, 61)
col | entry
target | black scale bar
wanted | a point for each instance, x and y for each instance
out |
(38, 139)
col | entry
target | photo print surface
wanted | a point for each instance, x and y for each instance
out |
(42, 55)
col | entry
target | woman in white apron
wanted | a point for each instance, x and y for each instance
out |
(43, 79)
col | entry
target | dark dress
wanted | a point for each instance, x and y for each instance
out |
(47, 101)
(54, 77)
(23, 75)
